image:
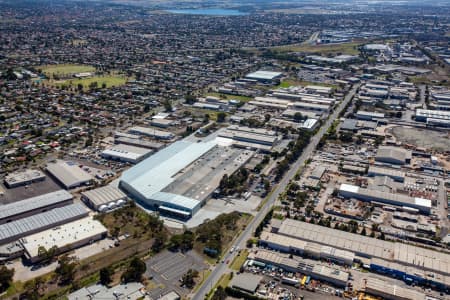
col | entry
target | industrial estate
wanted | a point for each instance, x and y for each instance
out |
(180, 150)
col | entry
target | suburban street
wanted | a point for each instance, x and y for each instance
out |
(222, 268)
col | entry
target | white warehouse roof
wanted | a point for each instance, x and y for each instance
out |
(104, 195)
(63, 235)
(265, 75)
(68, 173)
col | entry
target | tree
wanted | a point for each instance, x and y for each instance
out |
(45, 255)
(221, 117)
(219, 294)
(66, 269)
(190, 99)
(363, 231)
(188, 279)
(159, 241)
(6, 277)
(168, 106)
(298, 117)
(105, 275)
(80, 87)
(135, 270)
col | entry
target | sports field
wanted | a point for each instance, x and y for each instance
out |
(65, 69)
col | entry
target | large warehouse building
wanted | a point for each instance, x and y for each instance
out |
(126, 153)
(368, 195)
(31, 206)
(104, 198)
(404, 261)
(23, 178)
(15, 230)
(69, 174)
(177, 180)
(64, 237)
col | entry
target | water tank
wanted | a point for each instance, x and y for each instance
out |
(111, 205)
(121, 202)
(102, 208)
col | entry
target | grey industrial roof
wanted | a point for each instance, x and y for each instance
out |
(383, 288)
(69, 174)
(104, 194)
(126, 151)
(152, 175)
(396, 252)
(23, 206)
(386, 172)
(19, 228)
(396, 153)
(24, 176)
(246, 281)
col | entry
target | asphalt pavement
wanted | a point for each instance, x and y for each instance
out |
(222, 268)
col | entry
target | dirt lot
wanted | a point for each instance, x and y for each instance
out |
(436, 140)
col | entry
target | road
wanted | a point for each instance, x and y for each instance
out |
(222, 268)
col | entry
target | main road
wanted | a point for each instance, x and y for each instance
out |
(241, 241)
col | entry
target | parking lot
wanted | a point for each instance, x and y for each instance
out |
(28, 191)
(167, 268)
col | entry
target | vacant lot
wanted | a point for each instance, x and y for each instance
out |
(101, 81)
(65, 69)
(423, 137)
(344, 48)
(292, 82)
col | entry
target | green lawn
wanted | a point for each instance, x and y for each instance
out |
(65, 69)
(238, 261)
(345, 48)
(292, 82)
(228, 97)
(110, 81)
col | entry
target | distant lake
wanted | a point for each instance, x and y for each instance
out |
(209, 12)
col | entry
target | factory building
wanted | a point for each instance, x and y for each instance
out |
(23, 178)
(392, 173)
(123, 291)
(403, 255)
(433, 117)
(138, 143)
(368, 195)
(15, 230)
(104, 198)
(69, 174)
(368, 116)
(393, 155)
(265, 76)
(246, 282)
(126, 153)
(31, 206)
(64, 237)
(291, 245)
(297, 265)
(151, 132)
(246, 137)
(381, 288)
(145, 181)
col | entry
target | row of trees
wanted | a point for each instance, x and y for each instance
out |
(294, 152)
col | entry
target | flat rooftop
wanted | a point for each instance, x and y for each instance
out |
(265, 75)
(30, 204)
(370, 247)
(19, 228)
(104, 194)
(63, 235)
